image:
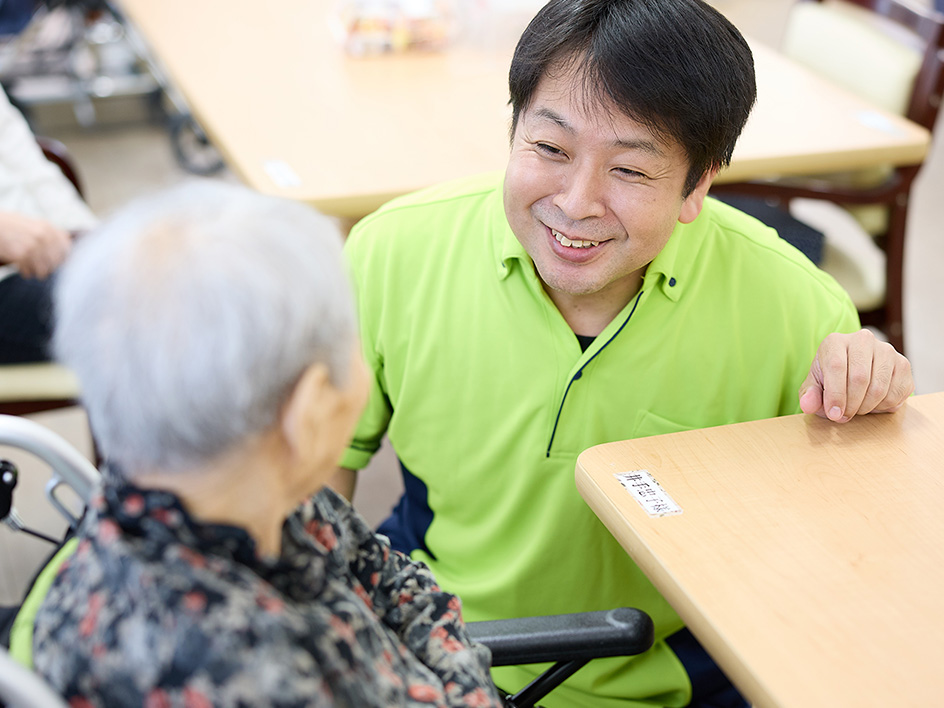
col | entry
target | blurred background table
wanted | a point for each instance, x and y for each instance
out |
(807, 556)
(294, 115)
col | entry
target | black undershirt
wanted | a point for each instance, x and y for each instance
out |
(584, 341)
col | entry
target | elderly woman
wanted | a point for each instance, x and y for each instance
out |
(213, 333)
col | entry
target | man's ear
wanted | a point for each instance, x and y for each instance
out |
(309, 404)
(693, 203)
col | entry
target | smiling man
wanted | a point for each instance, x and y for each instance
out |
(593, 197)
(591, 293)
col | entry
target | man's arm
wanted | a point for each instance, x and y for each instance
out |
(343, 482)
(855, 374)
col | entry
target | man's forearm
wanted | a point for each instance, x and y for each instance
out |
(343, 482)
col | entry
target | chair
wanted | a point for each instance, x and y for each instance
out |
(570, 641)
(58, 154)
(892, 53)
(34, 388)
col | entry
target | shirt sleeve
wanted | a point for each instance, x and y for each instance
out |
(376, 416)
(405, 597)
(29, 183)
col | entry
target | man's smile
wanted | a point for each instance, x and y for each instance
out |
(573, 250)
(572, 243)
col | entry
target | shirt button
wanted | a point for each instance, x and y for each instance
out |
(671, 282)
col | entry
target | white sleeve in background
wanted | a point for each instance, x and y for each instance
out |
(29, 183)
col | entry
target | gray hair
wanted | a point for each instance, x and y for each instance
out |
(189, 316)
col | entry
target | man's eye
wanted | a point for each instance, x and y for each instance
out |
(549, 149)
(626, 172)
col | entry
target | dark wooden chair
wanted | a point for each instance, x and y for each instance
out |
(891, 52)
(56, 153)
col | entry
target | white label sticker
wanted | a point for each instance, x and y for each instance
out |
(648, 492)
(876, 121)
(281, 173)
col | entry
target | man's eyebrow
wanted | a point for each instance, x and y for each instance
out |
(554, 117)
(648, 146)
(642, 144)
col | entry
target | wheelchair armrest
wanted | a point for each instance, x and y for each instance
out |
(580, 636)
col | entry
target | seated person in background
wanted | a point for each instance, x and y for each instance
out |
(38, 208)
(213, 333)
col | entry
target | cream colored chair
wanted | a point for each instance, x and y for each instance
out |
(33, 388)
(892, 53)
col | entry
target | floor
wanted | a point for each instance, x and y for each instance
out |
(124, 154)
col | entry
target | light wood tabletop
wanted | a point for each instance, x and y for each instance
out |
(293, 115)
(807, 557)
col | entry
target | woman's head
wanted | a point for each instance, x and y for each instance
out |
(190, 317)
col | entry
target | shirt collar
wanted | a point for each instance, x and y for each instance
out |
(511, 252)
(669, 271)
(158, 519)
(508, 250)
(159, 516)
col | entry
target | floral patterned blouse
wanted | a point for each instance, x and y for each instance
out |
(155, 609)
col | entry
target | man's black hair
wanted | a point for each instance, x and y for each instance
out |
(676, 66)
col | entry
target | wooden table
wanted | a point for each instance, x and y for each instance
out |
(808, 557)
(294, 116)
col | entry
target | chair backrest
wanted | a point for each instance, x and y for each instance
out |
(57, 153)
(888, 51)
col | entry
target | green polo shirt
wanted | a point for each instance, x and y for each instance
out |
(487, 400)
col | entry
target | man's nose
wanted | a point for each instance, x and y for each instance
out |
(581, 195)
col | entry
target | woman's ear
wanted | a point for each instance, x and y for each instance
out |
(309, 405)
(691, 206)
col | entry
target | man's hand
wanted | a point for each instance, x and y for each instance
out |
(855, 374)
(34, 246)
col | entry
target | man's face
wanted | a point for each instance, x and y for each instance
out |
(592, 195)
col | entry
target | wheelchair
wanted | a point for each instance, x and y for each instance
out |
(567, 642)
(79, 51)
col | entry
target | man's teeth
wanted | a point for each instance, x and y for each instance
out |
(573, 244)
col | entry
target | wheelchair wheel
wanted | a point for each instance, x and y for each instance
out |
(193, 150)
